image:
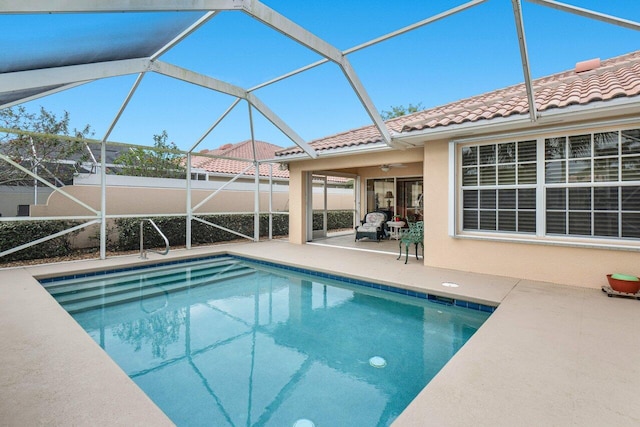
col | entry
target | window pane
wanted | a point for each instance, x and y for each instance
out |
(526, 173)
(555, 172)
(469, 156)
(631, 168)
(488, 175)
(527, 151)
(631, 141)
(470, 199)
(580, 223)
(470, 220)
(470, 176)
(507, 199)
(487, 199)
(605, 224)
(507, 152)
(488, 155)
(527, 198)
(556, 198)
(580, 198)
(555, 148)
(556, 223)
(506, 220)
(580, 171)
(631, 198)
(579, 146)
(631, 225)
(507, 174)
(527, 222)
(605, 144)
(605, 198)
(487, 220)
(605, 169)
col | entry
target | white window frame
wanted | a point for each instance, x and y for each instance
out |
(455, 205)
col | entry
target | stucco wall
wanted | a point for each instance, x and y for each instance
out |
(11, 197)
(146, 200)
(584, 267)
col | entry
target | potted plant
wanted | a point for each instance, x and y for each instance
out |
(624, 283)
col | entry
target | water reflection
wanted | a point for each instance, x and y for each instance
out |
(267, 350)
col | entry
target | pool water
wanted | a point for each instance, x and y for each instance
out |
(229, 342)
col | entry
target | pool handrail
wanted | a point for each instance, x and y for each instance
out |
(143, 252)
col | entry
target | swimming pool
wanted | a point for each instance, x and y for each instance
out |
(230, 341)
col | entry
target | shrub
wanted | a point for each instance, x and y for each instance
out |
(175, 229)
(13, 234)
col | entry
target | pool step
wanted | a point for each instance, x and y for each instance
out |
(89, 284)
(135, 295)
(89, 292)
(142, 283)
(115, 279)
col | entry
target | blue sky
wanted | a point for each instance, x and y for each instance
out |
(473, 52)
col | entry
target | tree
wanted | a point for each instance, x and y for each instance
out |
(400, 110)
(42, 143)
(164, 160)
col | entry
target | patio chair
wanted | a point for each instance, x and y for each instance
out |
(414, 235)
(373, 226)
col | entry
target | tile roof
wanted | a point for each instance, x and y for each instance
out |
(613, 78)
(240, 150)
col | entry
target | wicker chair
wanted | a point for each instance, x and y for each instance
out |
(373, 226)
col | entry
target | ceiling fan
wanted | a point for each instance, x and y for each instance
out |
(386, 167)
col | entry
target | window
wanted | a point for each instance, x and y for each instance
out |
(498, 187)
(590, 186)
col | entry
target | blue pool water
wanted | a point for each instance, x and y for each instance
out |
(229, 342)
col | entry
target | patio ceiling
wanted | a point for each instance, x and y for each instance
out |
(32, 69)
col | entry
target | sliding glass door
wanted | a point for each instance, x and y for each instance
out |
(400, 196)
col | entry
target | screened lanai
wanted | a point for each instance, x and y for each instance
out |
(162, 47)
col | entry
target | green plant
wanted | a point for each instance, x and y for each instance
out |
(14, 234)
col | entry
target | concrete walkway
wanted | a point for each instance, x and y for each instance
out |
(550, 354)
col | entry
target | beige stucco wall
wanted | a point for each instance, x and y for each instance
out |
(585, 267)
(152, 201)
(146, 200)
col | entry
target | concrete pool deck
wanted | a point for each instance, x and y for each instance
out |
(549, 355)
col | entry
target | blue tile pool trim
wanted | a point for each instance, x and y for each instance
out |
(421, 295)
(132, 268)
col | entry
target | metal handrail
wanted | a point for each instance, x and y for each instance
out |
(143, 252)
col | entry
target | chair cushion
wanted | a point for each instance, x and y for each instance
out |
(375, 217)
(369, 226)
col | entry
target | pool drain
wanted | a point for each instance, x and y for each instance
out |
(377, 362)
(302, 422)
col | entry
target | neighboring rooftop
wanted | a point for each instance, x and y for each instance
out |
(227, 163)
(614, 78)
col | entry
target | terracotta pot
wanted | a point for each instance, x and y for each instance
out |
(626, 286)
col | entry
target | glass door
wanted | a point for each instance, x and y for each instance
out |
(401, 197)
(381, 196)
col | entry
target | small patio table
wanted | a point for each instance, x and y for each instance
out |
(395, 227)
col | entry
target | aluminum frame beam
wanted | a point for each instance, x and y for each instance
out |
(183, 35)
(524, 57)
(632, 25)
(70, 74)
(189, 76)
(290, 29)
(280, 124)
(82, 6)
